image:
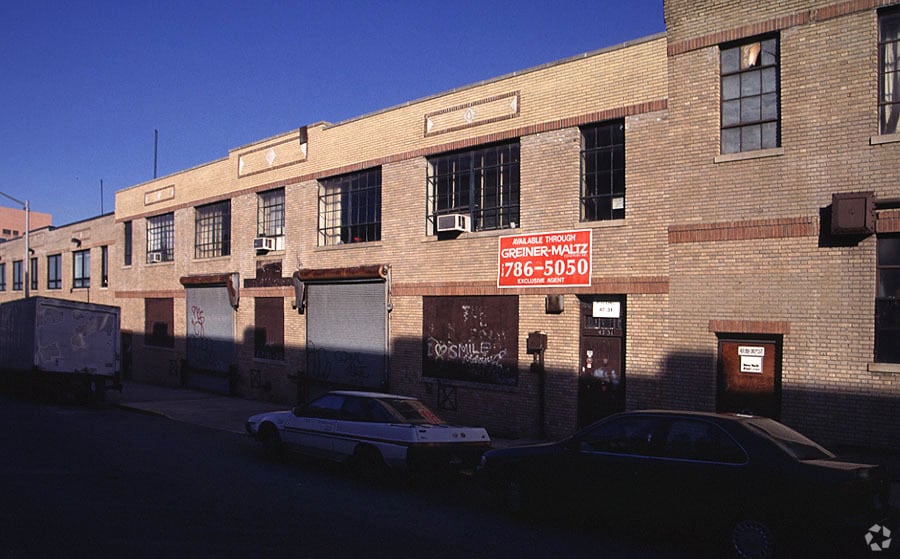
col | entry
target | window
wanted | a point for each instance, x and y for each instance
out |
(750, 101)
(350, 208)
(629, 435)
(33, 273)
(159, 317)
(161, 238)
(603, 171)
(482, 184)
(104, 266)
(54, 271)
(2, 276)
(212, 230)
(268, 338)
(17, 275)
(81, 268)
(270, 214)
(127, 244)
(887, 300)
(889, 68)
(697, 440)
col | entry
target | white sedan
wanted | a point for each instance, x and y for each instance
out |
(371, 431)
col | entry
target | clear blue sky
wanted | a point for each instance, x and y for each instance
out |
(84, 83)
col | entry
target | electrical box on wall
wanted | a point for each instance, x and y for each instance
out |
(554, 304)
(853, 213)
(537, 342)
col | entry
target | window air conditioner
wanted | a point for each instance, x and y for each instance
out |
(452, 222)
(264, 243)
(154, 257)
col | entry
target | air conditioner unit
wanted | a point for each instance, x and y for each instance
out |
(264, 243)
(452, 222)
(154, 257)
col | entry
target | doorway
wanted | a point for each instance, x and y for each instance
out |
(749, 375)
(601, 370)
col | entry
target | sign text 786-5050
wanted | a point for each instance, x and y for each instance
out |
(557, 259)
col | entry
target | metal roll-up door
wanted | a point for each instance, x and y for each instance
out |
(347, 333)
(210, 337)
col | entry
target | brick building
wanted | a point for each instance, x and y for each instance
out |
(703, 219)
(12, 222)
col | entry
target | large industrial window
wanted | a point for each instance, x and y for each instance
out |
(603, 171)
(270, 213)
(482, 184)
(17, 275)
(81, 268)
(887, 300)
(350, 208)
(104, 266)
(212, 228)
(268, 337)
(159, 318)
(54, 271)
(750, 112)
(889, 65)
(161, 238)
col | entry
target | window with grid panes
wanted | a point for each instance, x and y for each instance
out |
(350, 208)
(603, 171)
(2, 276)
(161, 238)
(482, 184)
(17, 275)
(54, 271)
(81, 268)
(887, 300)
(889, 70)
(270, 213)
(750, 96)
(33, 273)
(212, 230)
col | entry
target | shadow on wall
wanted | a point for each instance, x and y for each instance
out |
(532, 403)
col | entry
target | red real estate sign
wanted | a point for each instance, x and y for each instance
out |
(558, 259)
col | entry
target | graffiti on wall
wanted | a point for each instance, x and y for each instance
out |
(471, 338)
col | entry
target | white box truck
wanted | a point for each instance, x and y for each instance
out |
(65, 344)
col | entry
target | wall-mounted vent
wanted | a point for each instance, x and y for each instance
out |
(853, 213)
(264, 244)
(452, 222)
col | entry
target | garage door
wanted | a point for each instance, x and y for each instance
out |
(347, 333)
(210, 337)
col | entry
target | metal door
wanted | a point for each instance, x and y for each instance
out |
(601, 386)
(750, 376)
(210, 337)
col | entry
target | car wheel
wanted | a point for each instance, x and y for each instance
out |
(368, 464)
(271, 440)
(751, 538)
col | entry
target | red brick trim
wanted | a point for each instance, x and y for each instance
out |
(888, 221)
(750, 326)
(744, 230)
(804, 17)
(159, 294)
(610, 286)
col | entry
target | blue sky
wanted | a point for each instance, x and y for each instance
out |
(85, 83)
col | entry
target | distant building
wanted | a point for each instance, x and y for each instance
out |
(12, 222)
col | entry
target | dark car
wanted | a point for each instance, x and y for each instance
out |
(750, 481)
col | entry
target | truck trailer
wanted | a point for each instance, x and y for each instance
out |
(68, 345)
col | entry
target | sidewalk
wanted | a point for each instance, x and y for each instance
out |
(228, 413)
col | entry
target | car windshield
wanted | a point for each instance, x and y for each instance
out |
(792, 442)
(411, 411)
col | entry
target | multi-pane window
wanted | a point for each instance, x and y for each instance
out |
(33, 273)
(603, 171)
(126, 246)
(54, 271)
(104, 266)
(887, 300)
(161, 238)
(889, 69)
(750, 113)
(2, 276)
(212, 230)
(17, 275)
(270, 213)
(482, 184)
(268, 336)
(81, 268)
(350, 208)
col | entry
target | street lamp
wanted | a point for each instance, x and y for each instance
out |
(26, 263)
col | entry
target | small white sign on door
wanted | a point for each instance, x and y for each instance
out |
(606, 309)
(751, 358)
